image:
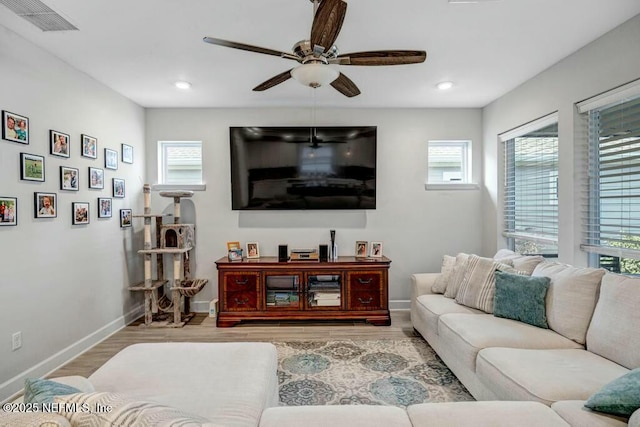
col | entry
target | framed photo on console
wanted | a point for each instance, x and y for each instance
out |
(253, 250)
(376, 250)
(362, 247)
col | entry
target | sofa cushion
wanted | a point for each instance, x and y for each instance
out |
(524, 263)
(521, 298)
(467, 334)
(571, 297)
(446, 271)
(574, 412)
(545, 376)
(614, 329)
(619, 397)
(484, 414)
(332, 415)
(434, 306)
(123, 410)
(457, 276)
(192, 377)
(479, 284)
(32, 419)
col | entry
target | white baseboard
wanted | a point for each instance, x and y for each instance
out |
(11, 388)
(203, 306)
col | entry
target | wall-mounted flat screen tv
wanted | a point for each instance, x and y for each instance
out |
(290, 168)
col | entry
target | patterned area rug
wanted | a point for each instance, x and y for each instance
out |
(381, 372)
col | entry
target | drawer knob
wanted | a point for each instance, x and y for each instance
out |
(365, 281)
(365, 301)
(241, 302)
(241, 282)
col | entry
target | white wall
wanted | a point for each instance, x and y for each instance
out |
(63, 286)
(608, 62)
(416, 226)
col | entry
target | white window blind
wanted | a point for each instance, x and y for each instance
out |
(531, 188)
(612, 212)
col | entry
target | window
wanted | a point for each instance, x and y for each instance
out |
(449, 162)
(531, 187)
(180, 162)
(612, 231)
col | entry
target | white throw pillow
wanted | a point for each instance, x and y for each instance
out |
(457, 276)
(571, 297)
(478, 288)
(446, 270)
(524, 263)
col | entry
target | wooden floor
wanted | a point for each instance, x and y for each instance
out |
(203, 329)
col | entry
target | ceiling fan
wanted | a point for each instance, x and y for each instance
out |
(319, 51)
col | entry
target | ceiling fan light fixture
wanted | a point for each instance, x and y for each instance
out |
(314, 75)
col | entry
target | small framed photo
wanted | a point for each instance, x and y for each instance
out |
(8, 211)
(45, 205)
(362, 247)
(79, 213)
(233, 245)
(59, 143)
(15, 127)
(376, 250)
(96, 178)
(31, 167)
(105, 207)
(127, 153)
(110, 159)
(235, 254)
(253, 251)
(89, 146)
(118, 188)
(69, 179)
(125, 218)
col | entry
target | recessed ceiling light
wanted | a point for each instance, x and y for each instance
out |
(444, 85)
(183, 85)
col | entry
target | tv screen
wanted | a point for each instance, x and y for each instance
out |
(291, 168)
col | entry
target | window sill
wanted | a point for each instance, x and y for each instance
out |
(178, 187)
(451, 186)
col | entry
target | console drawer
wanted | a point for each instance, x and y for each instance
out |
(365, 300)
(365, 281)
(240, 282)
(241, 301)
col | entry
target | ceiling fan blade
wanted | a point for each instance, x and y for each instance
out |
(345, 86)
(381, 57)
(249, 48)
(282, 77)
(327, 23)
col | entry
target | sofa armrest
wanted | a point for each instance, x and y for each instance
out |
(421, 284)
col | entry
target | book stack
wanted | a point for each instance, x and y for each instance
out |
(326, 298)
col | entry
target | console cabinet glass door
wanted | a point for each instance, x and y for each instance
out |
(283, 291)
(324, 291)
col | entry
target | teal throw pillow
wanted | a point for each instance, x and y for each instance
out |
(521, 298)
(620, 397)
(38, 390)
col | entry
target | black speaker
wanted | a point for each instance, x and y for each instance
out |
(323, 253)
(283, 253)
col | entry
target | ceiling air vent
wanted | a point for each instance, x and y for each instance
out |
(39, 14)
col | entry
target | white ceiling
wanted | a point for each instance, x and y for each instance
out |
(140, 47)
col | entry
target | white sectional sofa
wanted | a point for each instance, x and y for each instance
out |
(593, 337)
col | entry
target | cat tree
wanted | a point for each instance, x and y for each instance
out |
(176, 240)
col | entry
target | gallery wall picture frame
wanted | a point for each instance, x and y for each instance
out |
(253, 250)
(69, 178)
(125, 218)
(105, 207)
(88, 146)
(45, 205)
(80, 213)
(376, 250)
(118, 188)
(15, 127)
(110, 159)
(362, 248)
(127, 153)
(8, 211)
(59, 144)
(96, 178)
(31, 167)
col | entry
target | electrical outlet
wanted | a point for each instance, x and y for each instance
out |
(16, 341)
